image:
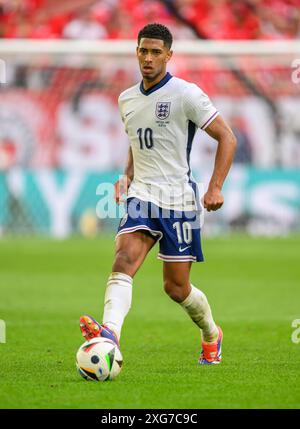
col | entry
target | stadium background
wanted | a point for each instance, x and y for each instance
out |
(63, 66)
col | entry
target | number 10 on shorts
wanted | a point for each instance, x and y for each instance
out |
(184, 232)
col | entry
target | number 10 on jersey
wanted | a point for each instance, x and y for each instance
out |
(145, 138)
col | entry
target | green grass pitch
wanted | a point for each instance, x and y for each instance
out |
(252, 286)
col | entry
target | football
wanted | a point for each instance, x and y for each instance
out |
(99, 359)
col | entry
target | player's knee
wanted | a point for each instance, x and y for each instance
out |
(176, 291)
(124, 261)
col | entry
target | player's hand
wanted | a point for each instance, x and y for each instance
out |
(213, 199)
(121, 187)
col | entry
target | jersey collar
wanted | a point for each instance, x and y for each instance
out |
(158, 85)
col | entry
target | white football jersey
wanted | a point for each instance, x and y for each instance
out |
(161, 123)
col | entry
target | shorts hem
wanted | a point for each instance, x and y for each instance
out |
(172, 258)
(155, 234)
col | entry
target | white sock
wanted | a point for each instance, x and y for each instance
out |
(117, 301)
(197, 307)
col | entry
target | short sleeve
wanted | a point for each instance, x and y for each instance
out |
(120, 108)
(121, 112)
(198, 107)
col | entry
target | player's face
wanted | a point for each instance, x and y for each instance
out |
(153, 56)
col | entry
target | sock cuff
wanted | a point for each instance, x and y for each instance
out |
(120, 277)
(189, 299)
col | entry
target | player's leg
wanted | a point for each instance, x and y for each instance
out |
(179, 247)
(177, 285)
(176, 276)
(131, 250)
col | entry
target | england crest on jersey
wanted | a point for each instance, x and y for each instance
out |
(163, 109)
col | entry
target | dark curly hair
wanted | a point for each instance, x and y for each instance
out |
(156, 31)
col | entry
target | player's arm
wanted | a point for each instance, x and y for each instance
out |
(220, 131)
(122, 185)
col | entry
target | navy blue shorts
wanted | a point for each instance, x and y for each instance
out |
(178, 232)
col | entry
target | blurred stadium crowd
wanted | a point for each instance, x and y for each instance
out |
(114, 19)
(64, 116)
(60, 129)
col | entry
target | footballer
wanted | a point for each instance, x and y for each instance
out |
(161, 115)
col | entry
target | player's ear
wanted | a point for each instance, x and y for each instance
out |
(169, 55)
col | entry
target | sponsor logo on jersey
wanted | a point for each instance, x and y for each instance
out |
(162, 110)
